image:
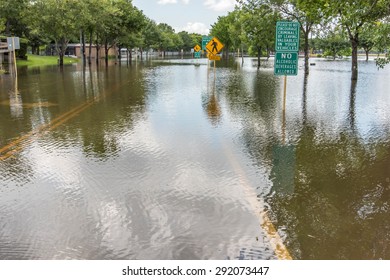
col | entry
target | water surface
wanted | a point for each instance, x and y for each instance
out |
(173, 160)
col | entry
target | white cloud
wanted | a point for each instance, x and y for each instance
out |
(164, 2)
(220, 5)
(195, 27)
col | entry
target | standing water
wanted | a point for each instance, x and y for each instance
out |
(177, 160)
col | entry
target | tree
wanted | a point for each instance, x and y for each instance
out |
(167, 39)
(382, 42)
(187, 40)
(354, 16)
(123, 20)
(332, 41)
(196, 39)
(57, 20)
(367, 38)
(151, 35)
(221, 29)
(259, 21)
(12, 22)
(11, 15)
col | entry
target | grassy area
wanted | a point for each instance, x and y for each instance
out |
(38, 60)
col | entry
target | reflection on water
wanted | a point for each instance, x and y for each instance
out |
(141, 162)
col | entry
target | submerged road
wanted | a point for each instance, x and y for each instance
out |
(29, 139)
(172, 160)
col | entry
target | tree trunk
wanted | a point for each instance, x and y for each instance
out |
(90, 48)
(97, 49)
(61, 60)
(129, 52)
(106, 51)
(119, 54)
(61, 48)
(258, 57)
(367, 53)
(8, 29)
(83, 46)
(354, 69)
(307, 49)
(242, 55)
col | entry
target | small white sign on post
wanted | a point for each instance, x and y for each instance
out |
(13, 43)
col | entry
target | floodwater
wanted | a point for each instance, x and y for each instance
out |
(176, 160)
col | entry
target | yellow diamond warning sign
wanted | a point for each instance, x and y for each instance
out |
(197, 48)
(214, 46)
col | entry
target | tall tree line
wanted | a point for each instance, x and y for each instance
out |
(101, 24)
(331, 25)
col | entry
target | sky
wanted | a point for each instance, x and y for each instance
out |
(193, 16)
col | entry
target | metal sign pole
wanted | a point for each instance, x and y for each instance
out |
(284, 111)
(14, 50)
(285, 93)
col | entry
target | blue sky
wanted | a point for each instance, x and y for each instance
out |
(189, 15)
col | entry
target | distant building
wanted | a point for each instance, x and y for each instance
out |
(75, 50)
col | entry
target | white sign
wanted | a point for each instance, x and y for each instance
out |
(13, 43)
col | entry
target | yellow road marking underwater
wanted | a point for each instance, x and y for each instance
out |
(21, 142)
(18, 144)
(256, 203)
(31, 105)
(258, 207)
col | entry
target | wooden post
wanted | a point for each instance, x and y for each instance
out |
(13, 44)
(284, 111)
(285, 93)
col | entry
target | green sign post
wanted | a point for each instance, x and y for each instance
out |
(286, 47)
(286, 56)
(286, 63)
(205, 41)
(287, 36)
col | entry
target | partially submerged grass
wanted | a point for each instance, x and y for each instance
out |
(39, 60)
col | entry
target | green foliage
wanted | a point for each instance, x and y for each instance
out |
(56, 20)
(382, 35)
(229, 30)
(11, 17)
(361, 23)
(333, 42)
(189, 40)
(259, 21)
(168, 39)
(383, 61)
(354, 16)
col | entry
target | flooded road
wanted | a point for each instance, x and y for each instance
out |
(175, 160)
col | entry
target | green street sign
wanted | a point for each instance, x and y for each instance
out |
(286, 64)
(287, 36)
(205, 41)
(197, 54)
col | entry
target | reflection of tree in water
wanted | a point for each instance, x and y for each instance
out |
(103, 124)
(339, 208)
